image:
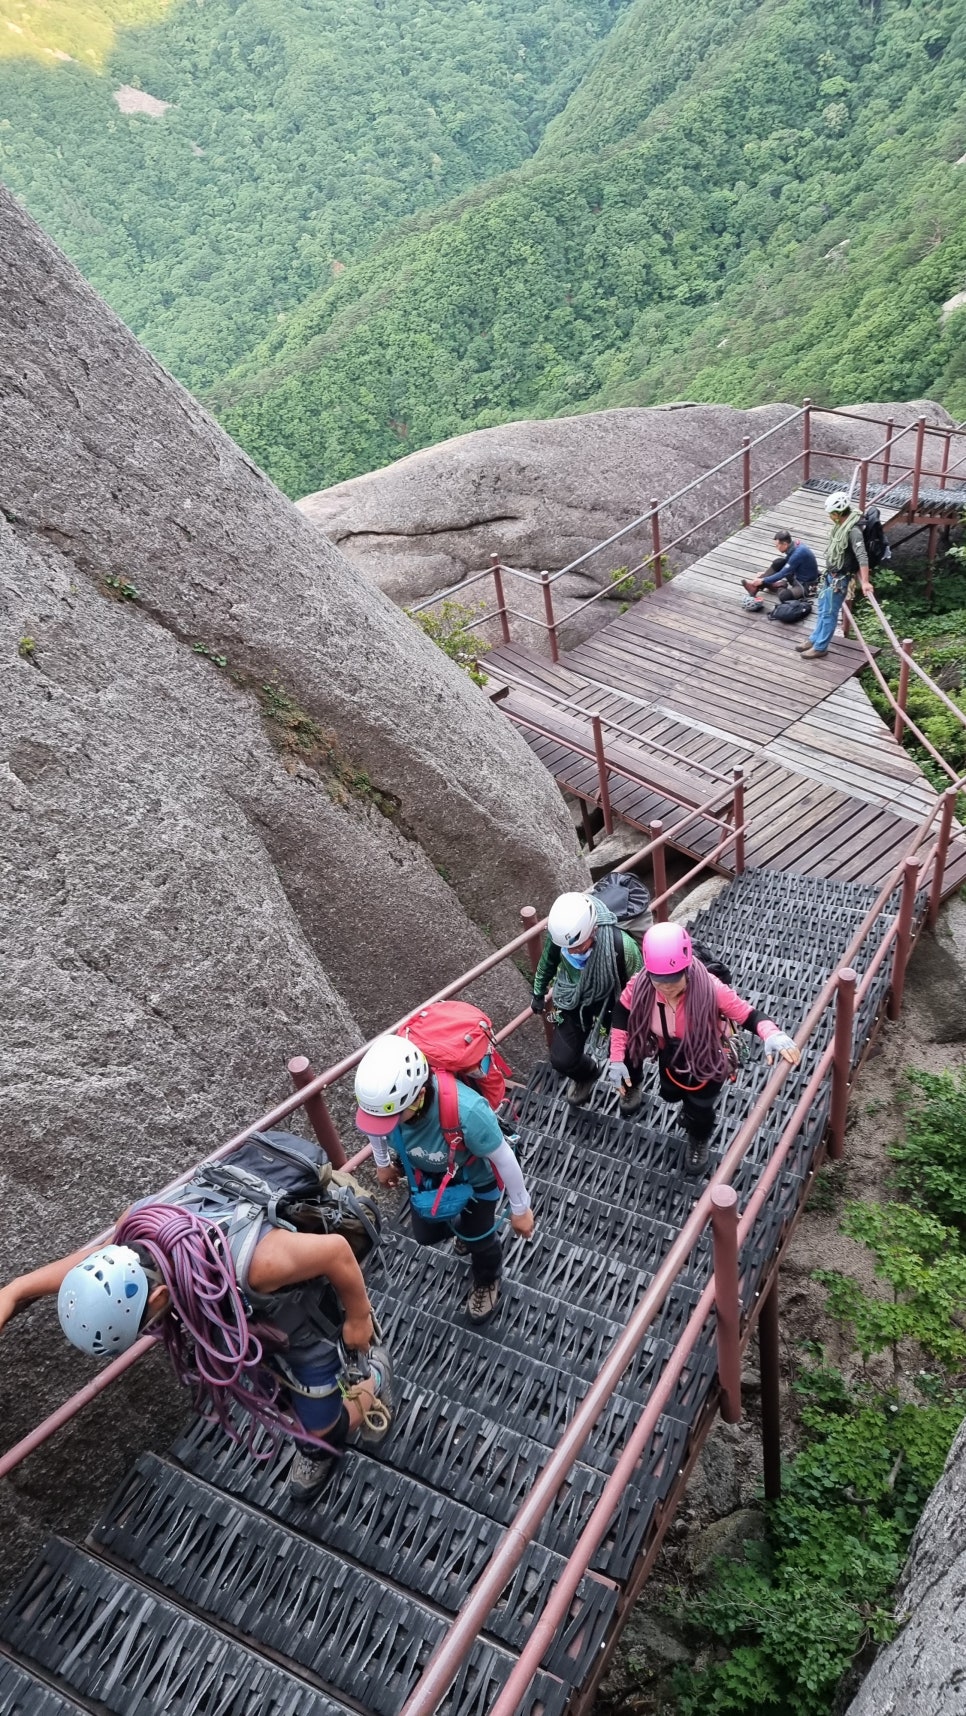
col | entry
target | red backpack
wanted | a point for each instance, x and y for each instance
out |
(456, 1037)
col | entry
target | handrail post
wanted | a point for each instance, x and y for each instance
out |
(316, 1108)
(738, 813)
(917, 467)
(548, 610)
(656, 545)
(500, 597)
(903, 691)
(727, 1298)
(842, 1061)
(900, 959)
(659, 867)
(863, 484)
(746, 477)
(944, 467)
(602, 773)
(769, 1361)
(806, 439)
(528, 917)
(887, 450)
(942, 849)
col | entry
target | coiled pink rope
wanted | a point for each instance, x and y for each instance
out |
(702, 1050)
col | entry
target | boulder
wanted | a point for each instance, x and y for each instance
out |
(541, 494)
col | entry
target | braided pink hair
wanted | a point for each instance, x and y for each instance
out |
(702, 1049)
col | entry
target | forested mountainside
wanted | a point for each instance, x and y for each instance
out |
(746, 200)
(296, 133)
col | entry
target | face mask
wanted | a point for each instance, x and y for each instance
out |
(578, 960)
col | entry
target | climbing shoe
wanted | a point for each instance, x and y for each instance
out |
(376, 1424)
(696, 1154)
(308, 1474)
(482, 1303)
(579, 1091)
(631, 1101)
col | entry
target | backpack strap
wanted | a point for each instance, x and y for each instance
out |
(620, 955)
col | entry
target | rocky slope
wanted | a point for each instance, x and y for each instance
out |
(246, 809)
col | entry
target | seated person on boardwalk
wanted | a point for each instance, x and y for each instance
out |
(678, 1011)
(587, 959)
(254, 1316)
(795, 567)
(456, 1165)
(845, 557)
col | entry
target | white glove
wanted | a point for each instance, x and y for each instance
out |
(780, 1043)
(616, 1073)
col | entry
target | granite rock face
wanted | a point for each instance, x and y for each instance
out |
(921, 1672)
(201, 877)
(541, 494)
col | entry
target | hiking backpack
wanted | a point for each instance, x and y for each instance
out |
(710, 961)
(457, 1038)
(874, 537)
(287, 1181)
(627, 897)
(789, 613)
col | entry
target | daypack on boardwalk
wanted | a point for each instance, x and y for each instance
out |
(791, 612)
(457, 1038)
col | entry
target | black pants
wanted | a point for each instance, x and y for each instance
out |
(568, 1055)
(486, 1252)
(697, 1105)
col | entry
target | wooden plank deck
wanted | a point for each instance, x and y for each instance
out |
(829, 791)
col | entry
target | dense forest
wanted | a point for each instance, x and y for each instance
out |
(360, 228)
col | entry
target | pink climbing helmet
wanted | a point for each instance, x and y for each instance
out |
(667, 950)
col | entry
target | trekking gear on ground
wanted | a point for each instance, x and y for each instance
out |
(455, 1037)
(573, 917)
(753, 604)
(389, 1078)
(791, 613)
(667, 950)
(624, 894)
(101, 1301)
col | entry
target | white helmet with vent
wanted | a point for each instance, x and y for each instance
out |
(573, 917)
(389, 1078)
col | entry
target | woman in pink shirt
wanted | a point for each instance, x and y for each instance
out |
(676, 1010)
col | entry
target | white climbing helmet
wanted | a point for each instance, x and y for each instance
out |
(389, 1077)
(839, 502)
(101, 1301)
(573, 917)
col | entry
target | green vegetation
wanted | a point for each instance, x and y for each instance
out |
(933, 614)
(299, 132)
(451, 628)
(794, 1616)
(744, 201)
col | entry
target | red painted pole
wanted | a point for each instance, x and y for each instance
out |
(528, 917)
(500, 597)
(863, 484)
(887, 450)
(318, 1113)
(806, 439)
(944, 468)
(746, 476)
(548, 610)
(842, 1062)
(917, 467)
(903, 692)
(727, 1298)
(659, 867)
(602, 773)
(769, 1363)
(942, 849)
(656, 546)
(738, 812)
(900, 959)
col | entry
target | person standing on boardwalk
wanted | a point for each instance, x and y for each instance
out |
(845, 556)
(587, 960)
(677, 1011)
(795, 566)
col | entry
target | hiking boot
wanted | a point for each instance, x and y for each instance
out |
(696, 1154)
(802, 647)
(378, 1420)
(308, 1474)
(482, 1303)
(811, 654)
(751, 585)
(631, 1101)
(580, 1090)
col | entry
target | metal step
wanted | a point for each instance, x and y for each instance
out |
(422, 1540)
(23, 1694)
(365, 1638)
(132, 1653)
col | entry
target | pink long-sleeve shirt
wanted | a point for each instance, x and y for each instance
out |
(731, 1006)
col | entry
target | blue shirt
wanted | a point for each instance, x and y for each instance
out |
(428, 1150)
(801, 564)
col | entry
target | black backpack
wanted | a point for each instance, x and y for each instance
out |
(791, 612)
(711, 963)
(874, 537)
(624, 894)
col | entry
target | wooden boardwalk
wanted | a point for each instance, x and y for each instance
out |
(689, 671)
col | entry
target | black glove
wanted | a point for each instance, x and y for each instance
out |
(537, 1003)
